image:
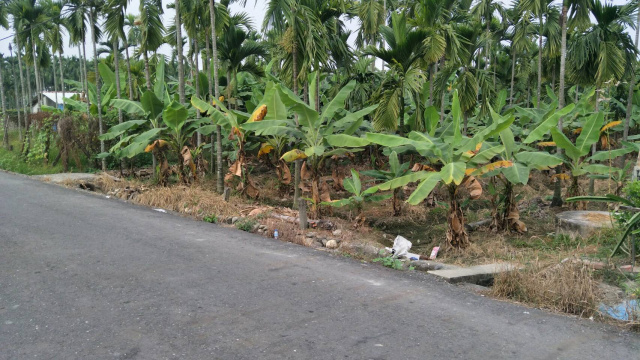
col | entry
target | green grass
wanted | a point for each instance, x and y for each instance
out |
(15, 162)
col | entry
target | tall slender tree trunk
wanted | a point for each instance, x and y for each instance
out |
(35, 69)
(80, 63)
(25, 96)
(147, 73)
(210, 80)
(5, 117)
(317, 94)
(197, 81)
(594, 146)
(129, 78)
(116, 59)
(17, 97)
(434, 70)
(298, 163)
(513, 76)
(55, 81)
(98, 87)
(214, 58)
(179, 50)
(30, 97)
(632, 83)
(539, 63)
(84, 69)
(61, 76)
(556, 201)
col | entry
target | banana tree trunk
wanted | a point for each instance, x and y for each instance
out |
(98, 88)
(457, 236)
(214, 58)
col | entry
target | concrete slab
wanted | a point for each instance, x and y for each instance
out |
(474, 274)
(582, 223)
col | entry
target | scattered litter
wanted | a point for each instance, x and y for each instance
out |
(434, 253)
(108, 197)
(625, 311)
(526, 312)
(379, 345)
(161, 210)
(275, 234)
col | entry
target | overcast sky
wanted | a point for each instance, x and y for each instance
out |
(255, 9)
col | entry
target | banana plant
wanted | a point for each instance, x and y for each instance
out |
(230, 120)
(396, 170)
(575, 154)
(457, 157)
(358, 197)
(317, 135)
(520, 158)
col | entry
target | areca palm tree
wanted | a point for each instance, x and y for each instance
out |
(151, 32)
(540, 9)
(233, 49)
(94, 9)
(29, 15)
(406, 50)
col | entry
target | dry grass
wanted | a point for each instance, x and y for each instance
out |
(566, 287)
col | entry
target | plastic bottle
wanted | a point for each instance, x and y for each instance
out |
(275, 233)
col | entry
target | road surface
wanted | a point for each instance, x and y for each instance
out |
(85, 277)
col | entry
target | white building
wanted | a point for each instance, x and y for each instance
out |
(52, 99)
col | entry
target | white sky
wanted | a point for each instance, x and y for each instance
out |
(255, 9)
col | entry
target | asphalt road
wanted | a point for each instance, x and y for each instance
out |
(85, 277)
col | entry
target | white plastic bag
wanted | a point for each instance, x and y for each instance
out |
(401, 247)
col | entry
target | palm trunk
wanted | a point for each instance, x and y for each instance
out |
(35, 69)
(594, 146)
(84, 69)
(179, 50)
(632, 83)
(98, 88)
(214, 58)
(116, 59)
(557, 191)
(55, 81)
(513, 76)
(25, 96)
(17, 97)
(29, 99)
(207, 64)
(317, 94)
(81, 72)
(228, 89)
(5, 118)
(540, 62)
(147, 74)
(197, 81)
(129, 78)
(434, 70)
(61, 76)
(401, 120)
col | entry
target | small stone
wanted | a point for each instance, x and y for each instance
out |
(260, 231)
(263, 227)
(310, 235)
(255, 227)
(234, 219)
(337, 232)
(321, 238)
(336, 240)
(324, 242)
(331, 244)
